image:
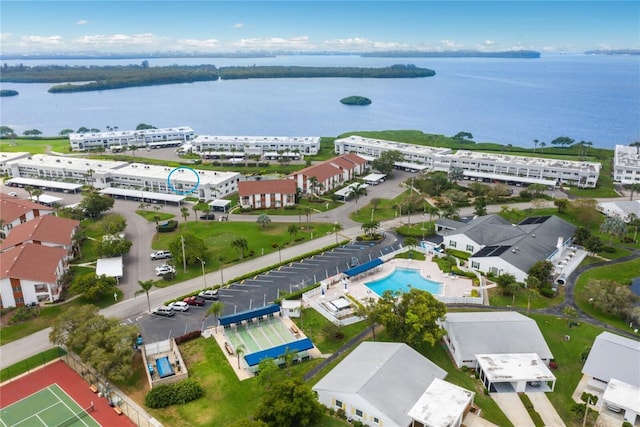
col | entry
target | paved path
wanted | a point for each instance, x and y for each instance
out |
(546, 410)
(513, 408)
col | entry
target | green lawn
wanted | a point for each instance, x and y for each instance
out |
(319, 205)
(521, 300)
(150, 215)
(35, 146)
(621, 273)
(219, 235)
(30, 363)
(567, 355)
(313, 325)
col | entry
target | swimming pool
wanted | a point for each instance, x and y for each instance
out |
(164, 367)
(400, 280)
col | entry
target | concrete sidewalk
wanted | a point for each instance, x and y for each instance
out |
(546, 410)
(513, 408)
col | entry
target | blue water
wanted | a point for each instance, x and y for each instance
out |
(403, 278)
(635, 286)
(509, 101)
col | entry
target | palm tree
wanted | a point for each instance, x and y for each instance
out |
(37, 192)
(293, 230)
(241, 245)
(535, 144)
(216, 309)
(185, 213)
(89, 176)
(370, 227)
(146, 286)
(313, 183)
(633, 188)
(29, 189)
(358, 190)
(263, 220)
(307, 211)
(195, 208)
(542, 145)
(239, 352)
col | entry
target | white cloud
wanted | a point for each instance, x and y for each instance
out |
(82, 22)
(238, 25)
(115, 41)
(195, 44)
(488, 43)
(4, 37)
(274, 43)
(42, 41)
(450, 44)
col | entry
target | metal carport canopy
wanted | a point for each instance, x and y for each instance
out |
(45, 183)
(112, 191)
(363, 267)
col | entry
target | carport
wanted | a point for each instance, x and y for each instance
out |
(514, 372)
(144, 195)
(623, 396)
(43, 183)
(374, 178)
(363, 268)
(248, 315)
(279, 351)
(220, 205)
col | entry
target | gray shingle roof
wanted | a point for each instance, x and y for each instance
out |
(390, 376)
(613, 356)
(495, 332)
(489, 230)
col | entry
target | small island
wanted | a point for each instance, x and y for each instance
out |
(355, 100)
(8, 92)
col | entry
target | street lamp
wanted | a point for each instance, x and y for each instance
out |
(204, 277)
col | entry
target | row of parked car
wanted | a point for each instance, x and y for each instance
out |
(195, 300)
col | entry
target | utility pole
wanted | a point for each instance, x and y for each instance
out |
(204, 276)
(184, 258)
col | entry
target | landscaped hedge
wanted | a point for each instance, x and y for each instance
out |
(535, 416)
(169, 226)
(173, 394)
(188, 336)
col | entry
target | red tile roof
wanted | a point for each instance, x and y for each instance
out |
(48, 228)
(354, 158)
(274, 186)
(12, 208)
(326, 170)
(31, 262)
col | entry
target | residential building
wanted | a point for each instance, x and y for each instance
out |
(45, 230)
(125, 139)
(626, 164)
(276, 193)
(29, 274)
(499, 247)
(478, 165)
(8, 157)
(14, 211)
(255, 145)
(626, 210)
(492, 332)
(613, 369)
(326, 176)
(137, 177)
(379, 384)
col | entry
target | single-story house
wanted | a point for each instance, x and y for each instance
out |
(45, 230)
(380, 383)
(625, 209)
(441, 405)
(29, 273)
(324, 177)
(499, 247)
(514, 372)
(613, 366)
(275, 193)
(492, 332)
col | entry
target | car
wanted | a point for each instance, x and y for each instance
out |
(535, 383)
(163, 311)
(163, 269)
(209, 294)
(208, 216)
(614, 408)
(160, 255)
(194, 300)
(13, 194)
(179, 306)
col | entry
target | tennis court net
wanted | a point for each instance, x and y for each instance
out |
(77, 417)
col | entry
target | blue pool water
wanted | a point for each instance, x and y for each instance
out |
(403, 278)
(164, 367)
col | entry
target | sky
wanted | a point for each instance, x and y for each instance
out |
(52, 27)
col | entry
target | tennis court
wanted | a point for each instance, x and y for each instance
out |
(49, 407)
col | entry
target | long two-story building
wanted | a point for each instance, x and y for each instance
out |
(125, 139)
(255, 145)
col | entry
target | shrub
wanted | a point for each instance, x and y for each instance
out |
(24, 313)
(167, 227)
(608, 249)
(357, 423)
(627, 424)
(341, 414)
(188, 336)
(547, 292)
(171, 394)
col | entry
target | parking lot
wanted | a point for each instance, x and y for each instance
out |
(266, 287)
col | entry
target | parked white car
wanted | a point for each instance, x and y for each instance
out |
(160, 255)
(179, 306)
(211, 294)
(163, 311)
(164, 269)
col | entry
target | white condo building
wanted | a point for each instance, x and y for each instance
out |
(626, 164)
(478, 165)
(256, 145)
(135, 177)
(152, 138)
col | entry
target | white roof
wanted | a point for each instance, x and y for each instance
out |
(45, 183)
(113, 191)
(110, 267)
(220, 203)
(347, 190)
(374, 177)
(623, 395)
(614, 356)
(441, 404)
(290, 304)
(511, 367)
(46, 199)
(523, 160)
(514, 178)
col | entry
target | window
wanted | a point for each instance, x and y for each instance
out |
(469, 248)
(338, 404)
(452, 243)
(475, 265)
(358, 413)
(376, 420)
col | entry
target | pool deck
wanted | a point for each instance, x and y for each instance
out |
(454, 286)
